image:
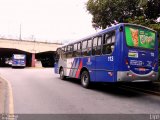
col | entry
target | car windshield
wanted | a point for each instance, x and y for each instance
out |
(139, 37)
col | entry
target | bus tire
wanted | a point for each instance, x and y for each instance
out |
(62, 76)
(85, 79)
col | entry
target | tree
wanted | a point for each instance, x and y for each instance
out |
(107, 12)
(152, 10)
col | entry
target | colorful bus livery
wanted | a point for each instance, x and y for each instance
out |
(124, 52)
(18, 60)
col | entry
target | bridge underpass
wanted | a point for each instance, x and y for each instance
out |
(45, 58)
(6, 57)
(36, 52)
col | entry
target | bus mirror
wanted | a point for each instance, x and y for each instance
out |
(121, 28)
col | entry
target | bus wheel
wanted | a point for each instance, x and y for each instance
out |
(85, 79)
(62, 77)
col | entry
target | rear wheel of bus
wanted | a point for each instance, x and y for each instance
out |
(85, 79)
(62, 76)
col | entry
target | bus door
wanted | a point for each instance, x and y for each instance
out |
(96, 52)
(105, 61)
(56, 59)
(89, 58)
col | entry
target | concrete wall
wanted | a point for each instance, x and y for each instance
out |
(28, 46)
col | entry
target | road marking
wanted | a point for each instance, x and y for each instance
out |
(10, 97)
(10, 100)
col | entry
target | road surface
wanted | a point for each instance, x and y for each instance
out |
(40, 91)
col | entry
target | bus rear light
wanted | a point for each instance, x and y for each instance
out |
(154, 65)
(130, 75)
(142, 69)
(153, 75)
(110, 74)
(126, 61)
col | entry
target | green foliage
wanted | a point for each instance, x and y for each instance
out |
(152, 9)
(141, 20)
(106, 12)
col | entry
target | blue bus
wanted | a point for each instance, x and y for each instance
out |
(121, 53)
(18, 60)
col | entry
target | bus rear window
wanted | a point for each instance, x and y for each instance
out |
(139, 37)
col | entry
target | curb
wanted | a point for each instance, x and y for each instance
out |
(34, 68)
(2, 96)
(6, 97)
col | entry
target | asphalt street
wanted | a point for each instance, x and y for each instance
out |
(40, 91)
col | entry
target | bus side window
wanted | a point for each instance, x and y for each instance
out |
(94, 46)
(98, 51)
(79, 49)
(108, 43)
(57, 56)
(84, 48)
(69, 51)
(75, 50)
(89, 47)
(113, 41)
(63, 53)
(97, 41)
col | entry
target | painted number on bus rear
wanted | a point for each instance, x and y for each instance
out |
(110, 58)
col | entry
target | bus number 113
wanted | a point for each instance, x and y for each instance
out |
(110, 58)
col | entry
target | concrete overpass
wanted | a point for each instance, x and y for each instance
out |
(33, 50)
(28, 46)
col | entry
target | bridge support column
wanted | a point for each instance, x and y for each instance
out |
(33, 60)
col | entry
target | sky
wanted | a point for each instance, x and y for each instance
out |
(45, 20)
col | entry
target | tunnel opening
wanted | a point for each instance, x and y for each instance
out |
(6, 57)
(46, 58)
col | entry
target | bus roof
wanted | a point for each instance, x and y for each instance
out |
(106, 30)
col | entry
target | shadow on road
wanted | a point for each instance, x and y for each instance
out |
(109, 88)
